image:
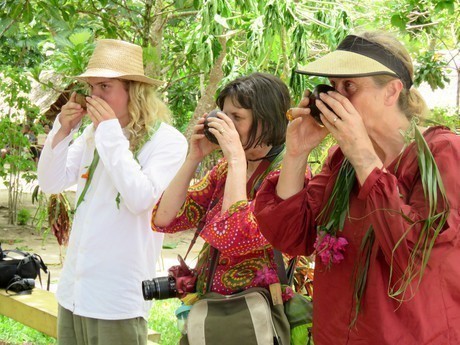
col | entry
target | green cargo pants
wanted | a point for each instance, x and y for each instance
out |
(78, 330)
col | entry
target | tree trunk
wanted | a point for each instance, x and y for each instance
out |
(207, 102)
(153, 69)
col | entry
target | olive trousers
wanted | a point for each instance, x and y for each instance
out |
(79, 330)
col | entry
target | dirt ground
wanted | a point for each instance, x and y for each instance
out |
(27, 238)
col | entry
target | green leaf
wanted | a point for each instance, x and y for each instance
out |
(27, 15)
(81, 37)
(445, 5)
(169, 245)
(222, 21)
(15, 11)
(398, 21)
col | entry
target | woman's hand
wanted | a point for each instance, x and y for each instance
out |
(304, 133)
(347, 126)
(71, 114)
(199, 145)
(228, 137)
(99, 110)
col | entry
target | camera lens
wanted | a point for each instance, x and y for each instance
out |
(207, 133)
(18, 284)
(315, 112)
(159, 288)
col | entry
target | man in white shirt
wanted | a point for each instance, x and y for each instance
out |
(121, 164)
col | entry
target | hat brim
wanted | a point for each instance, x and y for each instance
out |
(345, 64)
(107, 73)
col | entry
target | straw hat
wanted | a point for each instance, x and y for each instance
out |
(117, 59)
(358, 57)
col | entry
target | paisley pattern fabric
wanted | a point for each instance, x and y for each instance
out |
(244, 252)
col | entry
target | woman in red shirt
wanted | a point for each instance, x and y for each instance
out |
(383, 215)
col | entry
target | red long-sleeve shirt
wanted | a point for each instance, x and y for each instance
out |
(432, 316)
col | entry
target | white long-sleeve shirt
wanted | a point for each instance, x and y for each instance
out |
(112, 249)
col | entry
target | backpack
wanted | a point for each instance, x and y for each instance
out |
(15, 263)
(245, 318)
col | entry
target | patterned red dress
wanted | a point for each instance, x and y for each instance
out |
(246, 258)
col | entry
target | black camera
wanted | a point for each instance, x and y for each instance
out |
(211, 137)
(18, 284)
(180, 281)
(315, 112)
(159, 288)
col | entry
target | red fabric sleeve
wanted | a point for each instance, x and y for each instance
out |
(290, 225)
(198, 198)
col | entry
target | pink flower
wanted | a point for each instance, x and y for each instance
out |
(288, 293)
(265, 276)
(330, 248)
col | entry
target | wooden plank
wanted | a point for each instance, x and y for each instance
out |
(153, 336)
(37, 310)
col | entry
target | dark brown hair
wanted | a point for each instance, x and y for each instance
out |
(268, 98)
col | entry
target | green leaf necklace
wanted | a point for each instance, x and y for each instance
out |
(333, 216)
(92, 167)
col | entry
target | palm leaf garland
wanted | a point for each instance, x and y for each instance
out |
(328, 246)
(361, 269)
(92, 167)
(332, 218)
(337, 205)
(89, 177)
(432, 226)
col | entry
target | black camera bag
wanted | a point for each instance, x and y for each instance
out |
(17, 263)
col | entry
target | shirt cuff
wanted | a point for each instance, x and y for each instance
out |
(108, 128)
(236, 206)
(64, 144)
(375, 175)
(271, 187)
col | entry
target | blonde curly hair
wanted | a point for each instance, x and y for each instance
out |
(145, 108)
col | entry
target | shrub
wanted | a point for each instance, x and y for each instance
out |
(23, 217)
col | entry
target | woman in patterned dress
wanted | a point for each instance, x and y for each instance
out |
(251, 131)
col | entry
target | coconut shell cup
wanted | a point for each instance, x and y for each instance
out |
(81, 99)
(211, 137)
(314, 111)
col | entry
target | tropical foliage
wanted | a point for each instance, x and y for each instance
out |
(195, 47)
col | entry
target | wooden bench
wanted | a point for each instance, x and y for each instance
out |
(38, 310)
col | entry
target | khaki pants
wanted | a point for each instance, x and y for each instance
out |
(78, 330)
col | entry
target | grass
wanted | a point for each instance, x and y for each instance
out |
(12, 332)
(162, 319)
